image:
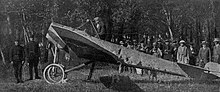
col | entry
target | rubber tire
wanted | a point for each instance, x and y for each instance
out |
(47, 71)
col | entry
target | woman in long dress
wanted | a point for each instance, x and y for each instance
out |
(182, 53)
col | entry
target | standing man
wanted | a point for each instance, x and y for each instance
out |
(216, 51)
(192, 55)
(204, 55)
(46, 55)
(101, 28)
(182, 53)
(33, 52)
(167, 51)
(174, 51)
(17, 58)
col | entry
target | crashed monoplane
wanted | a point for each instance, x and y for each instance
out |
(97, 50)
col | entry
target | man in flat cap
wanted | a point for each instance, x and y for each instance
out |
(17, 58)
(204, 55)
(182, 53)
(216, 51)
(33, 52)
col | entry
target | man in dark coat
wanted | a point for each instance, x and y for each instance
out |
(204, 55)
(33, 53)
(174, 51)
(216, 51)
(17, 57)
(167, 51)
(192, 55)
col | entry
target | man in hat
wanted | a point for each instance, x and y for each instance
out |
(192, 54)
(167, 51)
(216, 51)
(204, 55)
(101, 28)
(174, 50)
(17, 58)
(33, 53)
(182, 53)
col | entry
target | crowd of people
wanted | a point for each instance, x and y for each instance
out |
(175, 51)
(181, 52)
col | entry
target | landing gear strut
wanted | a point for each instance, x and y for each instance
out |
(56, 73)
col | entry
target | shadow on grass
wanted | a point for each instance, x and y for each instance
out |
(92, 81)
(120, 83)
(209, 82)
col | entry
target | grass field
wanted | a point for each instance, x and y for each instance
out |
(126, 83)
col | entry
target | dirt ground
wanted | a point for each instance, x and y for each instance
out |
(106, 79)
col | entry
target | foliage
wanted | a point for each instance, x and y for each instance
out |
(181, 18)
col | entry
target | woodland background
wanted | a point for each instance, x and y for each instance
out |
(191, 20)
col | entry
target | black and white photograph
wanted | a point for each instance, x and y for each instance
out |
(109, 45)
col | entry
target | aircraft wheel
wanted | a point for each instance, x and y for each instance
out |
(54, 73)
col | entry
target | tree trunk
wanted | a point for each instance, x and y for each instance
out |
(168, 19)
(9, 24)
(171, 33)
(2, 55)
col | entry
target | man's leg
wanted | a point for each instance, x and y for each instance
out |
(91, 71)
(31, 70)
(36, 69)
(15, 66)
(20, 72)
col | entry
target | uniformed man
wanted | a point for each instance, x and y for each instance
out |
(216, 51)
(33, 52)
(17, 58)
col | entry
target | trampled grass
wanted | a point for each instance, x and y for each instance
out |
(124, 82)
